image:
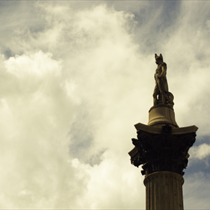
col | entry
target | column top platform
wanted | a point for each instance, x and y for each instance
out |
(160, 130)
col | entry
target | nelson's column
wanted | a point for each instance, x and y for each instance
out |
(162, 148)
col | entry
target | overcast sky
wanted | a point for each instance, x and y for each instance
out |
(75, 76)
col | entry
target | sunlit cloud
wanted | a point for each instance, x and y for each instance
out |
(73, 84)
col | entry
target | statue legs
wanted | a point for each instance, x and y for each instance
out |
(155, 94)
(159, 92)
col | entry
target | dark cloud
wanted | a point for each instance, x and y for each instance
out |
(197, 166)
(195, 190)
(82, 138)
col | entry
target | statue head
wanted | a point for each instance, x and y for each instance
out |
(158, 59)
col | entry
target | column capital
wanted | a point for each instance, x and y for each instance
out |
(162, 149)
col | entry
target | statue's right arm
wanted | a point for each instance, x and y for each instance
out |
(163, 72)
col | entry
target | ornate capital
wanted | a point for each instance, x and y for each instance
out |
(164, 151)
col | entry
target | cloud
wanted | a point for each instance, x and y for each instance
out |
(35, 118)
(53, 96)
(200, 152)
(196, 190)
(71, 89)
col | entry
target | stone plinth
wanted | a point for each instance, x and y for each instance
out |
(164, 191)
(162, 114)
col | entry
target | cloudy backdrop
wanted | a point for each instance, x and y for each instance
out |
(75, 76)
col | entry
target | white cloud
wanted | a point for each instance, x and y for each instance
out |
(49, 90)
(35, 65)
(200, 152)
(72, 93)
(112, 185)
(35, 118)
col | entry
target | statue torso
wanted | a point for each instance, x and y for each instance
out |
(160, 72)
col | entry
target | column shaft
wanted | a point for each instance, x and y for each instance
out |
(164, 191)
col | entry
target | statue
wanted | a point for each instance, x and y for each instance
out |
(161, 94)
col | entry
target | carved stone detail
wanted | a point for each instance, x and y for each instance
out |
(161, 152)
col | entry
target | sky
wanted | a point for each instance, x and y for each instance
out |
(75, 76)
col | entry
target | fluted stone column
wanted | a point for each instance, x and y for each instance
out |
(163, 153)
(164, 191)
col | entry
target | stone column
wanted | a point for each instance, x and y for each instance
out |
(163, 153)
(162, 148)
(164, 191)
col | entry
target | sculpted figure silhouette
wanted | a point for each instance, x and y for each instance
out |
(161, 94)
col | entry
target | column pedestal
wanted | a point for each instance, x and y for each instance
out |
(164, 191)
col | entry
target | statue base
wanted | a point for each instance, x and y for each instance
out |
(162, 114)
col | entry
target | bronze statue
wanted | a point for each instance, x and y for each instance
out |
(161, 94)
